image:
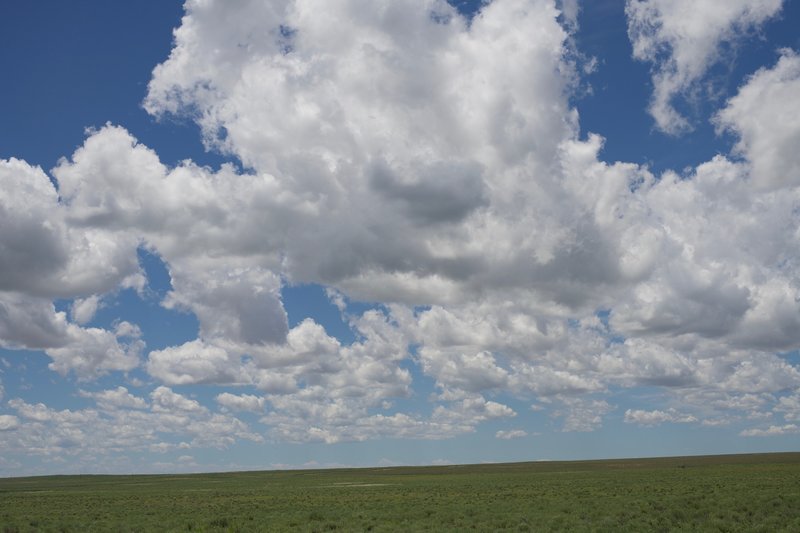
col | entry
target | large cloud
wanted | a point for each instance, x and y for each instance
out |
(392, 145)
(397, 154)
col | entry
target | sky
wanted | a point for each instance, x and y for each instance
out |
(305, 234)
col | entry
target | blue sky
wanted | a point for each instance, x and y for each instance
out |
(298, 234)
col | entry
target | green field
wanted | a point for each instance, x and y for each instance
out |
(715, 493)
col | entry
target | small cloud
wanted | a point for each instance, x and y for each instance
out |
(772, 431)
(244, 402)
(510, 434)
(84, 309)
(716, 422)
(114, 399)
(582, 414)
(656, 418)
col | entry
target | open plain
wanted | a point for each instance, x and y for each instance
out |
(707, 493)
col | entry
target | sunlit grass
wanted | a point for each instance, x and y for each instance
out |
(719, 493)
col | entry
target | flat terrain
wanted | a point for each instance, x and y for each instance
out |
(714, 493)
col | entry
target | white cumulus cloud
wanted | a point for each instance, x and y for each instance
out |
(511, 434)
(656, 417)
(682, 39)
(241, 402)
(764, 116)
(8, 422)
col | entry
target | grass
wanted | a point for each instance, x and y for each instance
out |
(714, 493)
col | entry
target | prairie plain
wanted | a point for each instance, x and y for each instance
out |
(708, 493)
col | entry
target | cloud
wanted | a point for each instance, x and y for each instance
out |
(193, 362)
(789, 407)
(165, 400)
(788, 429)
(33, 239)
(33, 323)
(43, 257)
(83, 309)
(683, 39)
(124, 424)
(582, 414)
(656, 417)
(307, 417)
(720, 404)
(241, 305)
(30, 322)
(92, 352)
(444, 192)
(242, 402)
(114, 399)
(376, 179)
(8, 422)
(761, 116)
(434, 167)
(511, 434)
(43, 254)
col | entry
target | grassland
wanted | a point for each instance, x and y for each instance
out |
(715, 493)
